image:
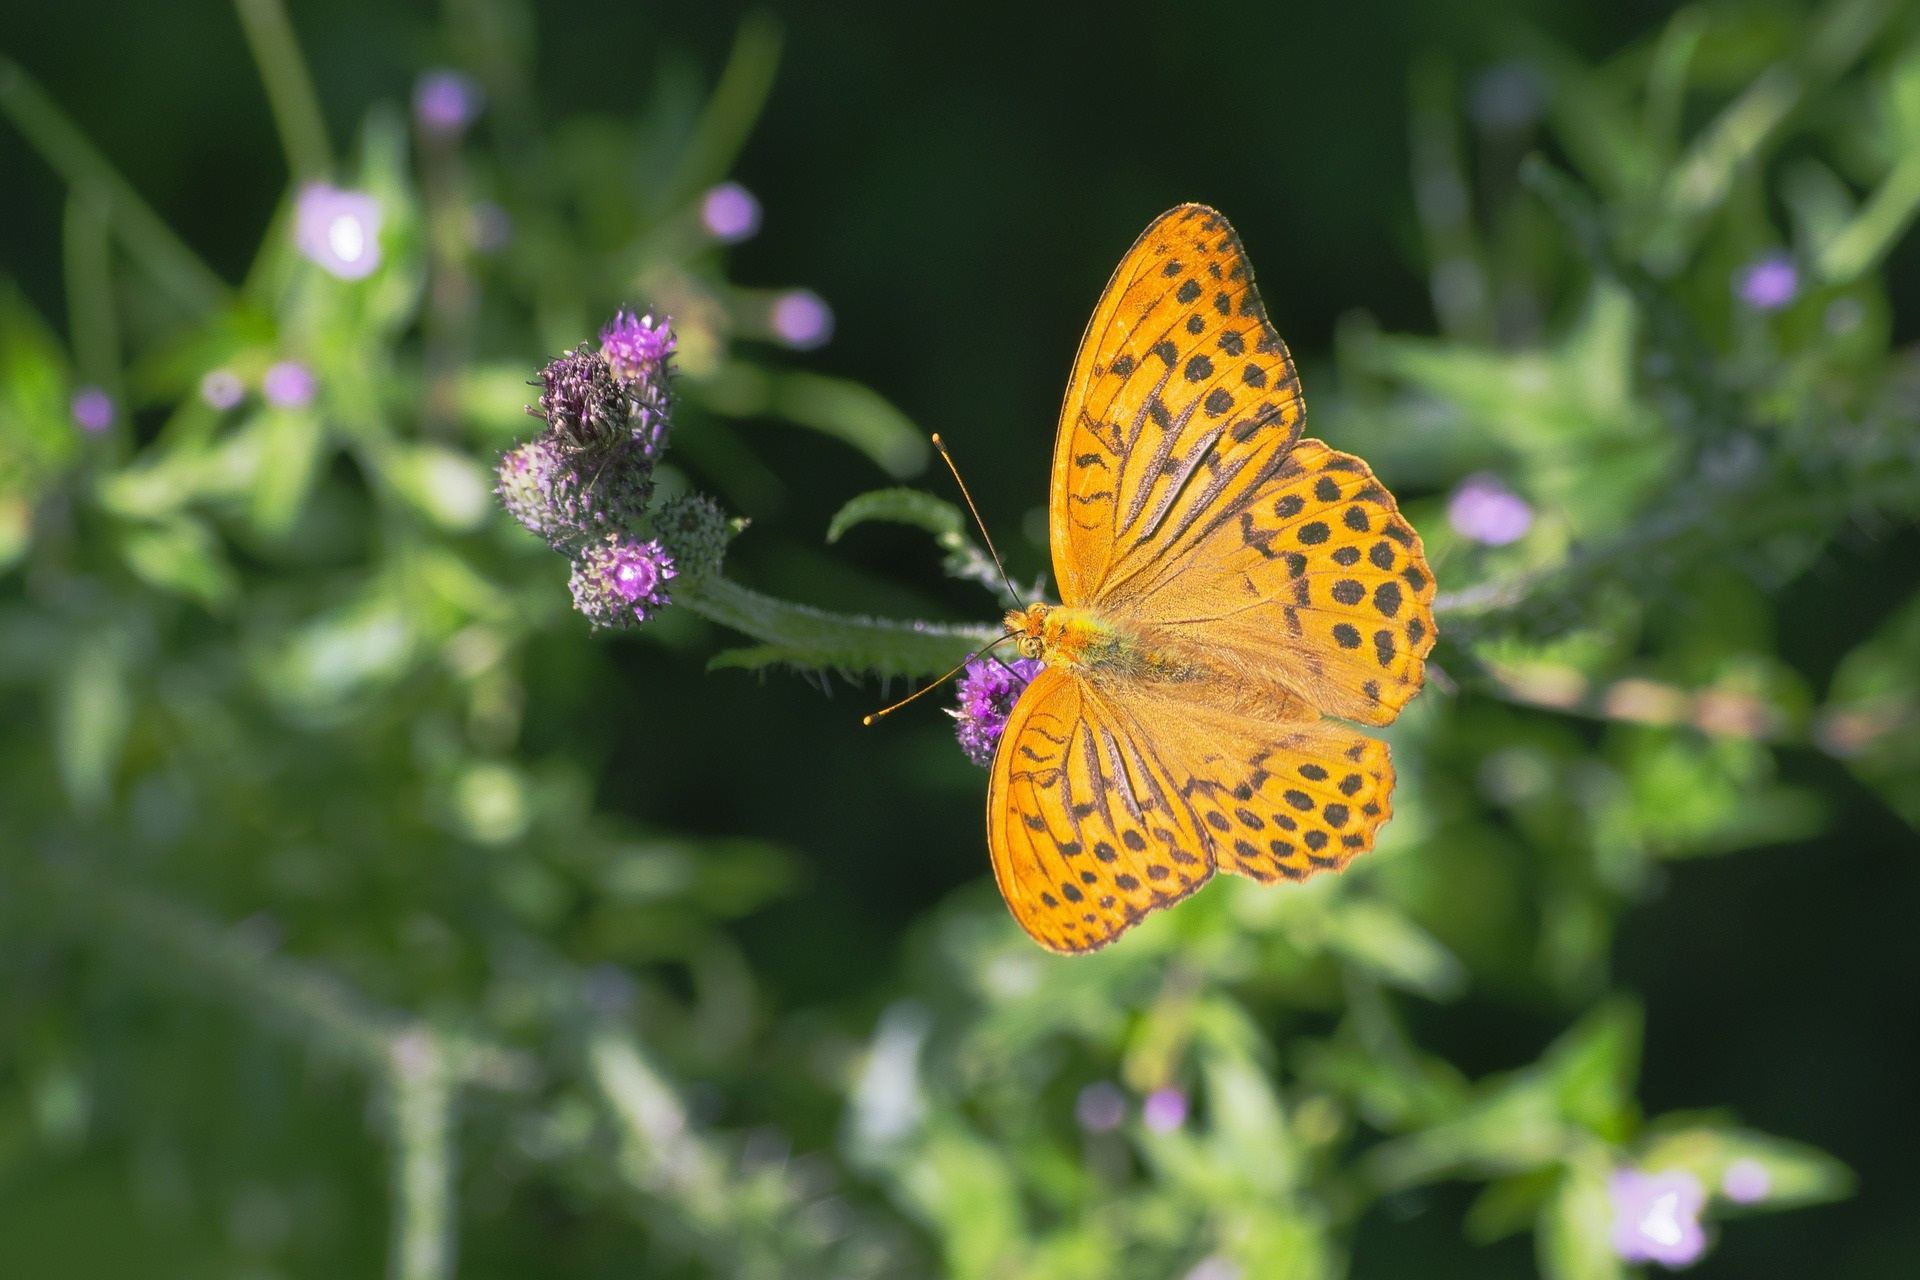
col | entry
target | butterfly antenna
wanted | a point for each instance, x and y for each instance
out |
(947, 458)
(937, 683)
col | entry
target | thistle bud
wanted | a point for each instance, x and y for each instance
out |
(694, 531)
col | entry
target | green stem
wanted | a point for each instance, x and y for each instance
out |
(808, 637)
(190, 283)
(89, 265)
(423, 1157)
(296, 108)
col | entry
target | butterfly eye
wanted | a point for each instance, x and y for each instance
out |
(1029, 646)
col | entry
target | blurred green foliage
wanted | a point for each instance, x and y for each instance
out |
(281, 848)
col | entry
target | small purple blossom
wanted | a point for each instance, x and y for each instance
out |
(1656, 1216)
(730, 213)
(1768, 283)
(635, 346)
(446, 102)
(1101, 1107)
(92, 410)
(1486, 511)
(339, 230)
(801, 319)
(288, 385)
(222, 389)
(1746, 1181)
(988, 690)
(1164, 1110)
(622, 581)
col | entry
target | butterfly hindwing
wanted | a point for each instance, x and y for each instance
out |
(1181, 394)
(1088, 828)
(1279, 801)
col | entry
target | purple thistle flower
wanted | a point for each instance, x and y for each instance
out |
(1767, 283)
(288, 385)
(92, 410)
(446, 102)
(1164, 1110)
(1485, 510)
(730, 213)
(1101, 1107)
(222, 389)
(339, 230)
(635, 346)
(621, 582)
(1656, 1216)
(802, 319)
(988, 691)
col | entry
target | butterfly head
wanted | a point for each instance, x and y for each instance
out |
(1029, 629)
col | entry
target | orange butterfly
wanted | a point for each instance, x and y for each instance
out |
(1226, 587)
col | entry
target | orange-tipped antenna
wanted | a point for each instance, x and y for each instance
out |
(946, 457)
(937, 683)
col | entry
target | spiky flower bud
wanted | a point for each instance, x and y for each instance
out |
(524, 472)
(584, 407)
(593, 492)
(695, 532)
(621, 581)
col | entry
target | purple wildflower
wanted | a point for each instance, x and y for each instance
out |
(1768, 283)
(801, 319)
(1486, 511)
(635, 346)
(730, 213)
(222, 389)
(339, 230)
(988, 691)
(1165, 1110)
(445, 103)
(1746, 1181)
(92, 410)
(621, 582)
(1656, 1216)
(1101, 1107)
(288, 385)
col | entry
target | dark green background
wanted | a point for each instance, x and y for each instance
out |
(957, 181)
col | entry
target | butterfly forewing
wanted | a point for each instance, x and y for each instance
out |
(1181, 395)
(1318, 574)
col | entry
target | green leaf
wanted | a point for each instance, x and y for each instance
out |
(1399, 952)
(446, 486)
(1593, 1068)
(808, 637)
(1574, 1239)
(181, 556)
(856, 414)
(37, 438)
(92, 709)
(902, 506)
(1791, 1173)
